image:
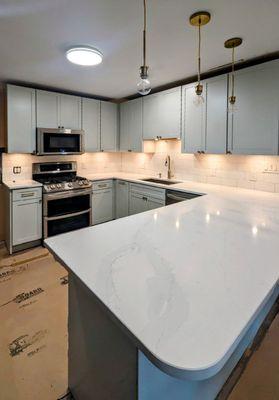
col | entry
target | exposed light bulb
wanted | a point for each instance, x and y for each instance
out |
(198, 100)
(232, 108)
(144, 86)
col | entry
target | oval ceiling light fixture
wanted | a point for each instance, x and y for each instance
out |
(84, 55)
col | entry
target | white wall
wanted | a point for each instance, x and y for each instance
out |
(231, 170)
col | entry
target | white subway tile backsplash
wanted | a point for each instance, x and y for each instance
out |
(230, 170)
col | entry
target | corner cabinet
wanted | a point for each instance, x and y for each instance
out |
(91, 124)
(254, 125)
(162, 115)
(21, 119)
(204, 125)
(131, 126)
(55, 110)
(109, 126)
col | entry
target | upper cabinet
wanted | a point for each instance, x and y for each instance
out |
(55, 110)
(21, 119)
(204, 124)
(131, 126)
(91, 124)
(70, 111)
(253, 127)
(162, 115)
(109, 126)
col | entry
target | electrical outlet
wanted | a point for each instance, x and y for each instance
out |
(17, 170)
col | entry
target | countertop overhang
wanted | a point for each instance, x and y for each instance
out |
(185, 280)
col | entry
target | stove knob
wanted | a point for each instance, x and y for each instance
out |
(58, 185)
(52, 187)
(70, 184)
(85, 182)
(80, 183)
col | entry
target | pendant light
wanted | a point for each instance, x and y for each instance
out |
(232, 44)
(199, 19)
(144, 86)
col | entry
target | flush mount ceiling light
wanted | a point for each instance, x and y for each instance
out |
(199, 19)
(84, 55)
(232, 44)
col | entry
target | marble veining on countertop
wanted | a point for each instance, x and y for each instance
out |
(185, 279)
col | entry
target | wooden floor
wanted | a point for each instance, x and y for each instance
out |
(33, 335)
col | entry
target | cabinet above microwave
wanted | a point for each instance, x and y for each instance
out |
(59, 141)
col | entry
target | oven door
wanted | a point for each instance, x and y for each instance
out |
(66, 211)
(59, 141)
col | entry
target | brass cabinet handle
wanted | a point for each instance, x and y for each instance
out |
(29, 194)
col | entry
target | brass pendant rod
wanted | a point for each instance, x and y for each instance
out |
(199, 54)
(233, 61)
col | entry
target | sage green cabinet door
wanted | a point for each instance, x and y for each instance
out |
(109, 126)
(131, 126)
(253, 127)
(102, 206)
(216, 115)
(169, 122)
(153, 203)
(21, 119)
(91, 124)
(122, 199)
(26, 221)
(162, 115)
(193, 121)
(137, 203)
(47, 109)
(70, 111)
(125, 126)
(151, 116)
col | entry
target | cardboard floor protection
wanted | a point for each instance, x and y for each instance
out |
(33, 335)
(33, 326)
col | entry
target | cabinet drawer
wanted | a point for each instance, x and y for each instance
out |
(144, 190)
(27, 194)
(102, 185)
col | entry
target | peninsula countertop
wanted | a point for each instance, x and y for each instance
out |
(186, 279)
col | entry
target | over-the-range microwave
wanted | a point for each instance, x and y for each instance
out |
(59, 141)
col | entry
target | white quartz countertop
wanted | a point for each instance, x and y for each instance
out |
(187, 279)
(21, 184)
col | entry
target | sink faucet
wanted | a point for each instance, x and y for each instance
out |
(168, 164)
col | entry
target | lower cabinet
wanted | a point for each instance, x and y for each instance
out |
(25, 222)
(102, 202)
(122, 199)
(143, 198)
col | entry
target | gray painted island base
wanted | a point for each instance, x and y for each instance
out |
(107, 363)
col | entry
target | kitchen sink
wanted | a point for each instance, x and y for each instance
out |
(162, 181)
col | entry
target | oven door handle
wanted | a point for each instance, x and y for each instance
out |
(67, 215)
(62, 195)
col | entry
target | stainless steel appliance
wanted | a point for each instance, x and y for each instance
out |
(175, 196)
(59, 141)
(66, 197)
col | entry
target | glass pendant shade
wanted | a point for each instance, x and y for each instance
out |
(198, 100)
(144, 86)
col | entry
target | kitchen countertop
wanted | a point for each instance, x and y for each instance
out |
(21, 184)
(187, 279)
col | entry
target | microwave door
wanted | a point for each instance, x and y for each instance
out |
(53, 141)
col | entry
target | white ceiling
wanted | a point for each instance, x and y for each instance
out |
(35, 34)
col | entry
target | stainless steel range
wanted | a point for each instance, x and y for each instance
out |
(66, 197)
